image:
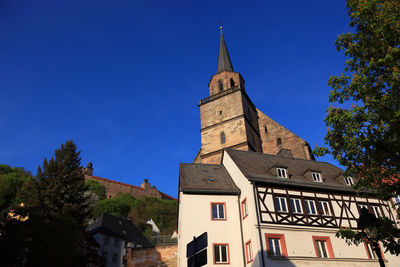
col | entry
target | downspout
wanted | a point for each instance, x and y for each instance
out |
(258, 224)
(241, 232)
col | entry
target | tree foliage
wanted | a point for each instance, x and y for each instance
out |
(120, 205)
(97, 188)
(163, 212)
(364, 119)
(12, 180)
(55, 201)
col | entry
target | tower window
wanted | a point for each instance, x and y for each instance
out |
(220, 85)
(265, 129)
(232, 82)
(223, 138)
(279, 141)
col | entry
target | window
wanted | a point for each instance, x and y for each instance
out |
(323, 247)
(349, 181)
(279, 141)
(265, 129)
(281, 172)
(106, 240)
(244, 209)
(232, 82)
(114, 258)
(105, 255)
(397, 201)
(377, 211)
(370, 250)
(325, 208)
(276, 245)
(222, 135)
(280, 204)
(361, 206)
(295, 205)
(221, 253)
(218, 211)
(316, 177)
(310, 207)
(249, 252)
(220, 85)
(116, 243)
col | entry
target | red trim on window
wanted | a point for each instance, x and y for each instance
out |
(244, 201)
(327, 239)
(281, 238)
(247, 253)
(227, 253)
(366, 249)
(224, 211)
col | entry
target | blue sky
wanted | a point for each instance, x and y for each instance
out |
(123, 78)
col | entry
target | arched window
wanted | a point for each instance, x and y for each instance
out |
(223, 138)
(232, 83)
(220, 85)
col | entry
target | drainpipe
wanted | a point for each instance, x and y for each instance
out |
(241, 232)
(258, 224)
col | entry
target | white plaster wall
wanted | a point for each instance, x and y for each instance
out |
(195, 219)
(250, 231)
(111, 249)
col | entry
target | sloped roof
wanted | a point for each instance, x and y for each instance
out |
(257, 167)
(205, 178)
(224, 60)
(118, 227)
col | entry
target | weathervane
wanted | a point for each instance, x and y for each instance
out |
(220, 26)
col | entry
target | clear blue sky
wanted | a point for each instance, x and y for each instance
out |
(123, 78)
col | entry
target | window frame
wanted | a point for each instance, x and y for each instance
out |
(321, 207)
(280, 205)
(306, 201)
(114, 258)
(280, 169)
(282, 243)
(294, 205)
(317, 174)
(379, 213)
(249, 251)
(227, 253)
(368, 245)
(349, 181)
(245, 211)
(116, 243)
(328, 243)
(218, 203)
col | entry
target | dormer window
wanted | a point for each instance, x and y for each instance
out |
(349, 181)
(281, 172)
(316, 177)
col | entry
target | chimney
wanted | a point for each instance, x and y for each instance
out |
(89, 169)
(145, 185)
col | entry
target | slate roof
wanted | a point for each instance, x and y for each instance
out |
(224, 61)
(119, 227)
(260, 167)
(205, 178)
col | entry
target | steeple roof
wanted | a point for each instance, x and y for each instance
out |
(224, 61)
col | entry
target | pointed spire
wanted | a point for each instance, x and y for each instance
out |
(224, 61)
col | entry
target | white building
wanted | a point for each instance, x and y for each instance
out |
(269, 210)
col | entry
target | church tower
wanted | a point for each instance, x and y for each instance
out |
(228, 117)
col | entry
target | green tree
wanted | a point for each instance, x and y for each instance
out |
(119, 205)
(364, 117)
(163, 212)
(97, 188)
(56, 204)
(12, 180)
